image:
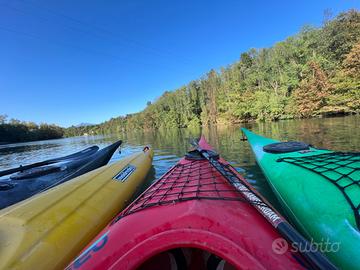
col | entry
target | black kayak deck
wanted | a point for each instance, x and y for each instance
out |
(23, 182)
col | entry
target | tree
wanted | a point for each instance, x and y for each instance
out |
(3, 118)
(19, 131)
(351, 63)
(313, 91)
(341, 34)
(313, 72)
(346, 94)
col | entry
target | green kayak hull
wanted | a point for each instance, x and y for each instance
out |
(313, 204)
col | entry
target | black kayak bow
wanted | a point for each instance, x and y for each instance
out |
(25, 183)
(88, 151)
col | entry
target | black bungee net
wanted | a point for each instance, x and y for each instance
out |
(195, 180)
(340, 168)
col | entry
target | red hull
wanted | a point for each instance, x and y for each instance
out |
(191, 206)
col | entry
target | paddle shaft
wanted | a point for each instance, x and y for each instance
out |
(27, 167)
(314, 257)
(47, 162)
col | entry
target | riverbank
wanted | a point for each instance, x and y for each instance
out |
(94, 129)
(315, 72)
(113, 128)
(14, 131)
(337, 133)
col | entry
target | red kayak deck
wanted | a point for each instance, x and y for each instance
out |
(191, 218)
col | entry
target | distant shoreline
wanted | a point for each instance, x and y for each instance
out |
(215, 125)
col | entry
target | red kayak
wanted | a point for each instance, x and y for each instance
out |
(193, 217)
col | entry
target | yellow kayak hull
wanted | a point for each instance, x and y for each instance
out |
(47, 231)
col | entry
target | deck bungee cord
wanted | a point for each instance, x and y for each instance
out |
(319, 190)
(178, 185)
(314, 257)
(26, 181)
(341, 169)
(201, 214)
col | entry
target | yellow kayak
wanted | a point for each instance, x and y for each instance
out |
(47, 231)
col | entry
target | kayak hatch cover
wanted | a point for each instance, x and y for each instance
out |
(319, 191)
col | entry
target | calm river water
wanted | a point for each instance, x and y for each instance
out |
(341, 133)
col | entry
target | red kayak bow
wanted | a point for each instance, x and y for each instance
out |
(191, 218)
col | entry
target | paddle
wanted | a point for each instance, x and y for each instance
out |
(309, 251)
(49, 161)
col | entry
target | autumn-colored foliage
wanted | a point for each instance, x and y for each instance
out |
(352, 62)
(315, 72)
(313, 91)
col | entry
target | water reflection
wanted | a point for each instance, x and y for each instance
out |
(170, 145)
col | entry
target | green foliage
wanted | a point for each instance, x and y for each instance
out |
(18, 131)
(341, 34)
(346, 94)
(312, 73)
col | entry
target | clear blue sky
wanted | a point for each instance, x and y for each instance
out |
(73, 61)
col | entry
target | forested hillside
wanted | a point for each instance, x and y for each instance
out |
(316, 72)
(14, 130)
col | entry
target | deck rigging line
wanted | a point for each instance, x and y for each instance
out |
(196, 180)
(340, 168)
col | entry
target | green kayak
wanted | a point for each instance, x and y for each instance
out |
(319, 191)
